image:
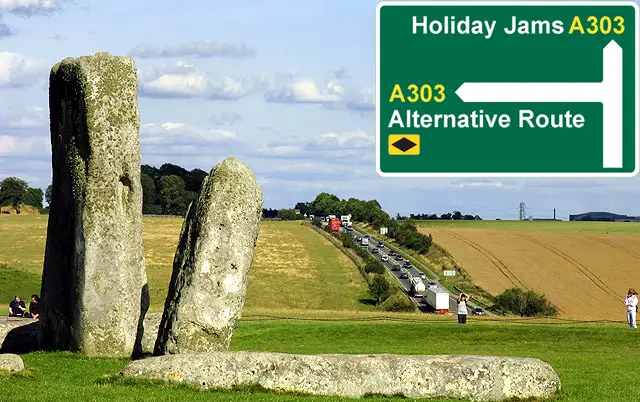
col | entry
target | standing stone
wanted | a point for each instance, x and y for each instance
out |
(211, 266)
(94, 289)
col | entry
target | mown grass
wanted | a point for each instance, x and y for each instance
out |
(554, 226)
(594, 362)
(294, 267)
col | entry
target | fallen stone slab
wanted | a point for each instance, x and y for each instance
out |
(11, 362)
(94, 285)
(211, 266)
(478, 378)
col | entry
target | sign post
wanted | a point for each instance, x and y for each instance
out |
(508, 89)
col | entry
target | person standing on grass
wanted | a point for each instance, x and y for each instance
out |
(462, 309)
(632, 307)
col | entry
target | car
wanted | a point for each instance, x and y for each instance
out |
(380, 244)
(374, 251)
(432, 285)
(392, 253)
(395, 268)
(359, 238)
(404, 274)
(398, 257)
(407, 264)
(421, 275)
(477, 311)
(384, 257)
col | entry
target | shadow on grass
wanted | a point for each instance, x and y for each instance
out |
(368, 302)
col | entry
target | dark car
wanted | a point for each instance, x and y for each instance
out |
(395, 268)
(380, 244)
(404, 275)
(375, 250)
(359, 238)
(477, 311)
(392, 253)
(398, 257)
(407, 264)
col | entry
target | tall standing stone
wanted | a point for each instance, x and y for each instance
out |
(211, 266)
(94, 285)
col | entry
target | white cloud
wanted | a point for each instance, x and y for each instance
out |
(354, 148)
(30, 117)
(195, 49)
(24, 146)
(306, 91)
(18, 70)
(32, 7)
(331, 92)
(182, 80)
(179, 138)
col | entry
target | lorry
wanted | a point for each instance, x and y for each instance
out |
(335, 224)
(438, 299)
(417, 287)
(345, 218)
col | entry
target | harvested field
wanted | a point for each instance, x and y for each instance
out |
(294, 267)
(585, 274)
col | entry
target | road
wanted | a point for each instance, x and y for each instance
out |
(413, 271)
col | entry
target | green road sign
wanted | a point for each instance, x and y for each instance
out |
(507, 89)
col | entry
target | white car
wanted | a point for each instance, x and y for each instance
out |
(385, 257)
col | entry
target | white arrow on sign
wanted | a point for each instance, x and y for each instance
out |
(608, 92)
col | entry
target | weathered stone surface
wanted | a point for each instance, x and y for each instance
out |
(211, 266)
(21, 335)
(11, 362)
(94, 271)
(18, 335)
(481, 378)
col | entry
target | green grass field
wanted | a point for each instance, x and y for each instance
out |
(595, 363)
(558, 226)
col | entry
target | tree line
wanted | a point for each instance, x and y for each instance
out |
(456, 216)
(15, 192)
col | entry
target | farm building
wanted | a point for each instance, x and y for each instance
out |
(603, 217)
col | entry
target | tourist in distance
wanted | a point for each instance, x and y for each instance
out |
(462, 309)
(17, 308)
(34, 307)
(632, 307)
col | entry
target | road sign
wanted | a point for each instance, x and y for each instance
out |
(449, 272)
(404, 144)
(508, 89)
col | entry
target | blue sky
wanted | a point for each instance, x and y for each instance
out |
(286, 86)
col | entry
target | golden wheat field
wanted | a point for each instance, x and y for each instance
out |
(294, 267)
(585, 274)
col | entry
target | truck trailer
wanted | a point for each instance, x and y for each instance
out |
(438, 299)
(417, 287)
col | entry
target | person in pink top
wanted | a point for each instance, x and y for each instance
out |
(632, 307)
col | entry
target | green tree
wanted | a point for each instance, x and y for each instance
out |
(173, 195)
(149, 194)
(13, 191)
(48, 194)
(525, 303)
(379, 288)
(34, 197)
(325, 204)
(373, 266)
(287, 214)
